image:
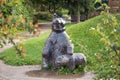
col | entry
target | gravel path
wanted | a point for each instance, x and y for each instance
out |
(8, 72)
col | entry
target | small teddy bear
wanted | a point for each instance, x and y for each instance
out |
(71, 61)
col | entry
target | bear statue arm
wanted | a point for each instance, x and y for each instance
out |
(46, 47)
(70, 47)
(70, 50)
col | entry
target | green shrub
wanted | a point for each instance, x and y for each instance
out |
(59, 13)
(91, 44)
(109, 57)
(15, 16)
(45, 16)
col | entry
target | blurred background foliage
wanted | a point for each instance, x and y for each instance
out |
(15, 16)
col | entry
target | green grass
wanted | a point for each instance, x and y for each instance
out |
(83, 38)
(42, 21)
(81, 33)
(33, 47)
(86, 40)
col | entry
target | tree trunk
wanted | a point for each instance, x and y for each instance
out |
(78, 12)
(49, 7)
(73, 18)
(54, 8)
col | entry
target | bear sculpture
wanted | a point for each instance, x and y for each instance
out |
(57, 44)
(71, 61)
(58, 49)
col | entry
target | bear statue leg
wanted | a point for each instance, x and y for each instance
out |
(83, 63)
(47, 60)
(45, 64)
(71, 63)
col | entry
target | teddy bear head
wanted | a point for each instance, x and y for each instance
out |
(61, 60)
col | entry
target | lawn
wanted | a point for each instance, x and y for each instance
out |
(43, 21)
(33, 47)
(84, 40)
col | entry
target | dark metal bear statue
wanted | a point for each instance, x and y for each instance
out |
(57, 44)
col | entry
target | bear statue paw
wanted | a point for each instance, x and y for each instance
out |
(45, 65)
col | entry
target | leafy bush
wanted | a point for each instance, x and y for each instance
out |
(109, 57)
(99, 56)
(44, 16)
(59, 13)
(107, 66)
(15, 16)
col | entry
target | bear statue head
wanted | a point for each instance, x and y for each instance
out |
(58, 25)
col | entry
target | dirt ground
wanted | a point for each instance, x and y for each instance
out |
(8, 72)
